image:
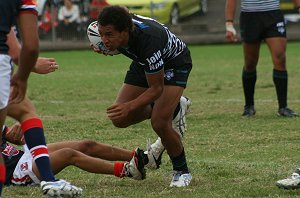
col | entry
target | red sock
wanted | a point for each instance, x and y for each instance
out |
(2, 173)
(133, 153)
(118, 169)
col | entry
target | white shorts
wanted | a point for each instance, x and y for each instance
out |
(23, 174)
(5, 73)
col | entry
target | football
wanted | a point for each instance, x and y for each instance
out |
(95, 39)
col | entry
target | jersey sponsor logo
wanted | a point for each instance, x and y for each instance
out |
(156, 65)
(155, 61)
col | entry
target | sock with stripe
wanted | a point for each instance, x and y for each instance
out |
(35, 140)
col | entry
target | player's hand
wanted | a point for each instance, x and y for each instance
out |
(45, 65)
(15, 134)
(117, 111)
(99, 51)
(230, 32)
(18, 89)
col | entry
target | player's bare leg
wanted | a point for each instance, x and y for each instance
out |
(161, 120)
(94, 149)
(162, 116)
(133, 168)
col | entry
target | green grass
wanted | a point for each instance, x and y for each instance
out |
(229, 156)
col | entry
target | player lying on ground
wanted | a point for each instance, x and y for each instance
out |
(86, 155)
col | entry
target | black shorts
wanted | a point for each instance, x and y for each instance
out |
(257, 26)
(176, 72)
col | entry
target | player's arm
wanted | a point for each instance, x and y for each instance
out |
(229, 17)
(45, 65)
(156, 87)
(28, 55)
(14, 46)
(42, 66)
(154, 71)
(30, 44)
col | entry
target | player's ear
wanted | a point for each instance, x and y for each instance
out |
(125, 33)
(126, 30)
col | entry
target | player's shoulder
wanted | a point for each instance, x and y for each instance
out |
(146, 24)
(148, 27)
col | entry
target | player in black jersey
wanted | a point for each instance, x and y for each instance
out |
(155, 81)
(87, 155)
(261, 21)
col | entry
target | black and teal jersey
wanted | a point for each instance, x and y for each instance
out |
(152, 45)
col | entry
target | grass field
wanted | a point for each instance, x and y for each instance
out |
(229, 156)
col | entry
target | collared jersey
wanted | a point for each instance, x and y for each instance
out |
(151, 44)
(11, 156)
(259, 5)
(9, 9)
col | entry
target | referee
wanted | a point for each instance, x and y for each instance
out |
(261, 21)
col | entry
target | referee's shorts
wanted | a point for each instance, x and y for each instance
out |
(257, 26)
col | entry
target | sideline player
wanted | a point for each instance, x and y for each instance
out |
(86, 155)
(261, 21)
(154, 82)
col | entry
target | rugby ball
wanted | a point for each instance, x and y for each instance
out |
(95, 39)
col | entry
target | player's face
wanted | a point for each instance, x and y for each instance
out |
(112, 38)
